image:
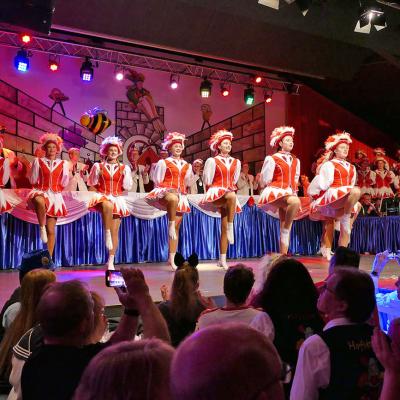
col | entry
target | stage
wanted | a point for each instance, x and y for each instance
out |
(211, 276)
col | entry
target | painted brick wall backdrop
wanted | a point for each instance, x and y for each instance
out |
(249, 144)
(26, 119)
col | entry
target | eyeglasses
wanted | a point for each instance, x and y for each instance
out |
(325, 287)
(284, 377)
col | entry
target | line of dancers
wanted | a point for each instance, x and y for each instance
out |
(333, 189)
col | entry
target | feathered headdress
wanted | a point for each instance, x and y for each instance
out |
(334, 140)
(110, 141)
(362, 153)
(381, 159)
(218, 137)
(380, 150)
(51, 138)
(279, 133)
(172, 138)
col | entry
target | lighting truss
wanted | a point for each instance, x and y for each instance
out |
(129, 60)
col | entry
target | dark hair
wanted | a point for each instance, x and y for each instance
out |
(183, 292)
(345, 257)
(63, 307)
(356, 288)
(288, 290)
(238, 282)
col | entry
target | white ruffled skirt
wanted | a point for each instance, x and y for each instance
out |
(120, 207)
(154, 197)
(54, 202)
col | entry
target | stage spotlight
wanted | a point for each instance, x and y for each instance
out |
(249, 95)
(119, 73)
(205, 88)
(25, 38)
(370, 16)
(258, 79)
(21, 60)
(87, 71)
(54, 63)
(225, 89)
(268, 96)
(303, 5)
(174, 81)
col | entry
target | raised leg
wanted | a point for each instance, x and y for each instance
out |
(106, 208)
(345, 220)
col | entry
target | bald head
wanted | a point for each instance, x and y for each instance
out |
(66, 309)
(231, 361)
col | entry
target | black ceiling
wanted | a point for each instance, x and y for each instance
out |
(361, 72)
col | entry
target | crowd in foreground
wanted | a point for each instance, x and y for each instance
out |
(278, 336)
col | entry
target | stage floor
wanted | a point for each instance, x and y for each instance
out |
(211, 276)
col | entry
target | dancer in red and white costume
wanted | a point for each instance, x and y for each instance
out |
(384, 178)
(6, 203)
(110, 178)
(171, 178)
(220, 176)
(49, 177)
(280, 175)
(365, 177)
(334, 188)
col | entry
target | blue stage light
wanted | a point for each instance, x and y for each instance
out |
(87, 70)
(21, 61)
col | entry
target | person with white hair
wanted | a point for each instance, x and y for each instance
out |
(220, 176)
(49, 177)
(280, 175)
(110, 178)
(197, 184)
(171, 178)
(333, 189)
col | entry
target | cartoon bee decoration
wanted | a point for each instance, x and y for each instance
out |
(96, 120)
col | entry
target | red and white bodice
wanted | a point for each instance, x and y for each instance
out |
(110, 181)
(366, 180)
(279, 176)
(334, 181)
(171, 175)
(220, 176)
(49, 178)
(384, 179)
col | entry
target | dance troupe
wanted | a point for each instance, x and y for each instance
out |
(333, 191)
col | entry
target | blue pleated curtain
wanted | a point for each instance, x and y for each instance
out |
(256, 233)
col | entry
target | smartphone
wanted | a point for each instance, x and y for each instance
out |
(114, 278)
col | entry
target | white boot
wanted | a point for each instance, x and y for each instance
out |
(285, 237)
(171, 230)
(345, 223)
(43, 234)
(110, 262)
(230, 235)
(326, 253)
(171, 261)
(109, 243)
(222, 262)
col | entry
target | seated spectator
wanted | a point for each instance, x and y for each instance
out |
(389, 301)
(32, 340)
(65, 313)
(389, 356)
(342, 257)
(32, 260)
(32, 287)
(238, 282)
(186, 303)
(129, 371)
(333, 364)
(229, 361)
(289, 297)
(368, 208)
